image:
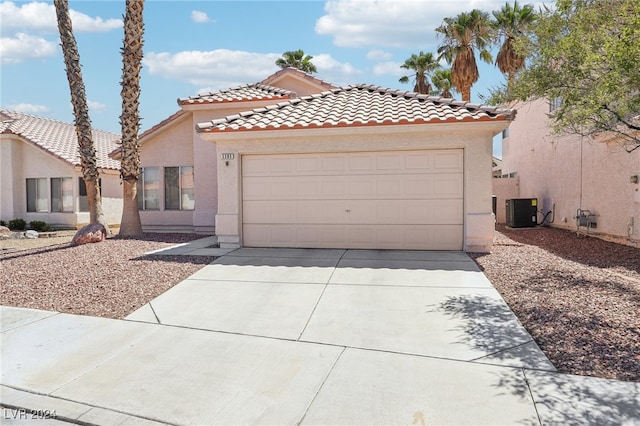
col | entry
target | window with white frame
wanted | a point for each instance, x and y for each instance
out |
(83, 199)
(62, 194)
(554, 104)
(149, 188)
(37, 195)
(178, 188)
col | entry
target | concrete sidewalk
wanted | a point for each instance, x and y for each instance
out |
(269, 336)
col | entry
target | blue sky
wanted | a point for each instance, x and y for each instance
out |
(193, 46)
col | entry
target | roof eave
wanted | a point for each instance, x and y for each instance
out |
(489, 125)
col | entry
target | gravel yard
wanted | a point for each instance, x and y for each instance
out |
(578, 297)
(109, 279)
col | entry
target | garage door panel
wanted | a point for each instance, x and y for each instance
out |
(290, 211)
(451, 160)
(396, 187)
(404, 199)
(366, 212)
(405, 162)
(411, 212)
(419, 237)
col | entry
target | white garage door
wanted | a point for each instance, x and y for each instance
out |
(386, 200)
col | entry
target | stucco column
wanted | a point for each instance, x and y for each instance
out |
(479, 220)
(7, 180)
(227, 217)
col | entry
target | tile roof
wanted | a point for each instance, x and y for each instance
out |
(260, 91)
(360, 105)
(58, 138)
(304, 75)
(249, 92)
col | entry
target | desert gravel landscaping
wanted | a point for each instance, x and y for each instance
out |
(578, 297)
(108, 279)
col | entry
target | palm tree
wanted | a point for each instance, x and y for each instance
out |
(86, 148)
(297, 59)
(511, 22)
(441, 80)
(462, 36)
(423, 64)
(130, 225)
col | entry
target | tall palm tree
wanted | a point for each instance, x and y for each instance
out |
(297, 59)
(86, 148)
(441, 80)
(423, 64)
(511, 22)
(130, 225)
(463, 34)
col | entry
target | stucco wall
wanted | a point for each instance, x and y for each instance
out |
(170, 146)
(569, 172)
(20, 160)
(474, 138)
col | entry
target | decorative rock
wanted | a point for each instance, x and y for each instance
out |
(92, 233)
(31, 234)
(4, 230)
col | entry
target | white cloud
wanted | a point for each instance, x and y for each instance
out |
(392, 23)
(200, 17)
(389, 68)
(379, 55)
(218, 69)
(23, 47)
(96, 106)
(335, 72)
(221, 68)
(41, 17)
(85, 23)
(29, 108)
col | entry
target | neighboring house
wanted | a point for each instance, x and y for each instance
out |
(497, 167)
(40, 175)
(293, 161)
(569, 173)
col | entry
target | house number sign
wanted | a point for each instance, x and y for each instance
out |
(226, 156)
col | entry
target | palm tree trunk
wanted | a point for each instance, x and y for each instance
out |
(130, 225)
(466, 93)
(86, 147)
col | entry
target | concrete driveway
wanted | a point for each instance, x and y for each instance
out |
(277, 336)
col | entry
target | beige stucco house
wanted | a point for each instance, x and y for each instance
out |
(293, 161)
(178, 190)
(40, 175)
(568, 173)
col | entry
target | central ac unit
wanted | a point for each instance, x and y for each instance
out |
(522, 212)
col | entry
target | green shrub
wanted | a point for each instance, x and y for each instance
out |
(3, 223)
(17, 224)
(39, 226)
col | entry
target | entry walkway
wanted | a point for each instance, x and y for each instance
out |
(275, 336)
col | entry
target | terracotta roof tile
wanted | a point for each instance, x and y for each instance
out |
(359, 105)
(249, 92)
(58, 138)
(290, 70)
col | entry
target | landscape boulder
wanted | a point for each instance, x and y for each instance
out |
(92, 233)
(31, 234)
(4, 230)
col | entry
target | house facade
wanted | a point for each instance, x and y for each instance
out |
(40, 175)
(570, 174)
(178, 190)
(293, 161)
